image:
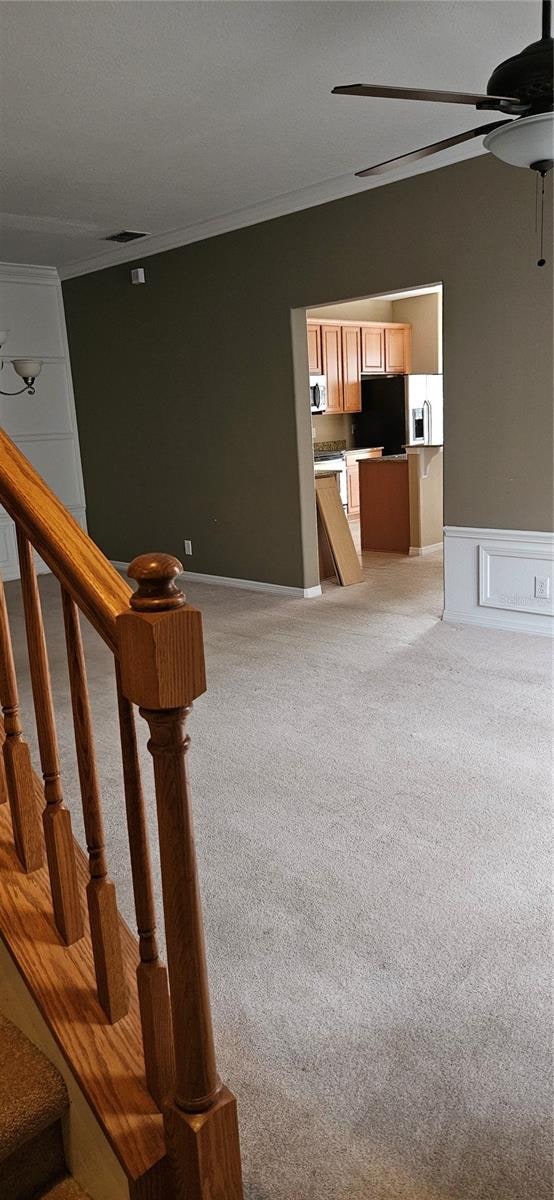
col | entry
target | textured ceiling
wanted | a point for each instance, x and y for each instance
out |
(162, 116)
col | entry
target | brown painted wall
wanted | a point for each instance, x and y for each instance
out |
(185, 387)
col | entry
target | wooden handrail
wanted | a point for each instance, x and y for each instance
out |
(95, 586)
(157, 643)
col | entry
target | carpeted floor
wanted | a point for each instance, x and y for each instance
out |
(371, 793)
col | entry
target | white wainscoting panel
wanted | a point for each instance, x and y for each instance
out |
(499, 578)
(44, 426)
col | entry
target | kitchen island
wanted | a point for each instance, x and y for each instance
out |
(401, 501)
(334, 456)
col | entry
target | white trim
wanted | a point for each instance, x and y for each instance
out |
(489, 578)
(497, 620)
(499, 535)
(28, 273)
(265, 210)
(42, 437)
(418, 551)
(71, 393)
(44, 358)
(251, 585)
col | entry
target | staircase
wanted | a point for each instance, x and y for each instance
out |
(33, 1100)
(136, 1034)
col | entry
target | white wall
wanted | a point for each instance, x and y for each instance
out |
(43, 426)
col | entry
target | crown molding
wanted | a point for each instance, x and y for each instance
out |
(544, 537)
(28, 273)
(266, 210)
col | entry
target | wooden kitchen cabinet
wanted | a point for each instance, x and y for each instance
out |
(353, 481)
(314, 349)
(373, 349)
(386, 348)
(331, 361)
(343, 351)
(351, 381)
(398, 345)
(353, 458)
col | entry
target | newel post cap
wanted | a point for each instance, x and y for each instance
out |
(160, 641)
(155, 575)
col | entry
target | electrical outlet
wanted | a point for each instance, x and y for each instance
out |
(188, 546)
(542, 588)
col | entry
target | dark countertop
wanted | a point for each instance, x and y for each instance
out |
(361, 450)
(344, 453)
(386, 458)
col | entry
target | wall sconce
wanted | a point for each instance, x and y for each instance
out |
(26, 368)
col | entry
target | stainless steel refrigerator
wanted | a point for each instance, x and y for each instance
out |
(399, 411)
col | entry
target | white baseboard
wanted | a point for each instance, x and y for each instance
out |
(417, 551)
(490, 578)
(251, 585)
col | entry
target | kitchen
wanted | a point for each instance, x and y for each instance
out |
(377, 415)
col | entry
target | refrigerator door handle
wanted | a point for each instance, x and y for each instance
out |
(428, 422)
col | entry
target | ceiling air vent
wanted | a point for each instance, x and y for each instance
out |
(125, 235)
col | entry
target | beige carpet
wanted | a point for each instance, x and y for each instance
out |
(371, 792)
(32, 1092)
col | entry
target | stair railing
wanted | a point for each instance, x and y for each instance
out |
(157, 644)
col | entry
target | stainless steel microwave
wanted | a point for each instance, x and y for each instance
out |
(318, 393)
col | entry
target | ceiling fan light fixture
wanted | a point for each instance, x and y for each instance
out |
(525, 141)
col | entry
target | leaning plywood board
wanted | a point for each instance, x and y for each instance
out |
(339, 537)
(327, 569)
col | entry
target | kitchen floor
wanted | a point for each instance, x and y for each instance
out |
(372, 557)
(354, 523)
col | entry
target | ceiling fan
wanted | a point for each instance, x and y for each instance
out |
(521, 88)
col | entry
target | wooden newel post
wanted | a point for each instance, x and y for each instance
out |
(161, 658)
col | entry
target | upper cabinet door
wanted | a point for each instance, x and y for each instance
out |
(398, 349)
(351, 382)
(373, 349)
(331, 351)
(314, 349)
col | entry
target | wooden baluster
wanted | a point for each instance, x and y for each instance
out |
(18, 781)
(3, 783)
(112, 988)
(152, 982)
(162, 670)
(56, 818)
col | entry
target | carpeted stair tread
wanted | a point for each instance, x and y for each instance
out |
(65, 1189)
(32, 1092)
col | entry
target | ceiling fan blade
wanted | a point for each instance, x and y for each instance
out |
(399, 93)
(424, 151)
